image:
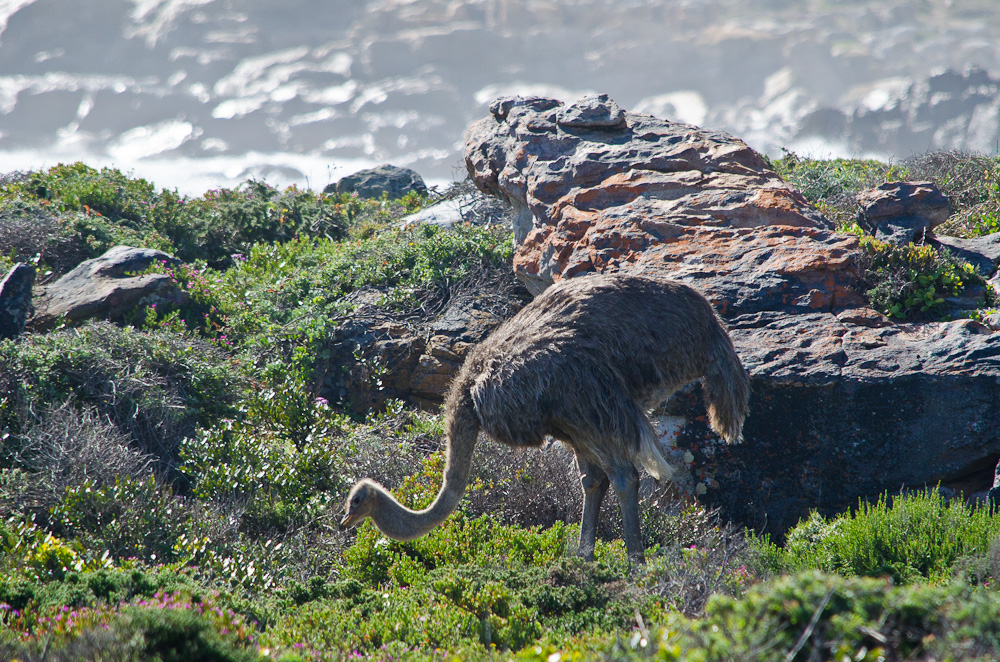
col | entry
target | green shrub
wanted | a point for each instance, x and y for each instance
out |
(470, 609)
(809, 616)
(278, 481)
(31, 233)
(906, 537)
(103, 208)
(168, 628)
(912, 282)
(374, 559)
(154, 387)
(306, 281)
(131, 518)
(225, 222)
(862, 619)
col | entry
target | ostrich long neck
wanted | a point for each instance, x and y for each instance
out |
(399, 522)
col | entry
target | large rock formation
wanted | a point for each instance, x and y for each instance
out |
(636, 190)
(845, 403)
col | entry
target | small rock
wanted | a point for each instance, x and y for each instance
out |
(501, 107)
(472, 207)
(594, 111)
(105, 287)
(865, 317)
(902, 212)
(372, 183)
(445, 214)
(15, 299)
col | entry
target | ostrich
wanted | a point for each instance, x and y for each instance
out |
(583, 363)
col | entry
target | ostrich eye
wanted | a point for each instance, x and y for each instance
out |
(356, 500)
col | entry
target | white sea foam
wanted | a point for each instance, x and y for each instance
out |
(685, 106)
(8, 8)
(144, 141)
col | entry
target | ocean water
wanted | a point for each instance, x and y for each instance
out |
(199, 94)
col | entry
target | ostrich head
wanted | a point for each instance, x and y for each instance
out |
(361, 503)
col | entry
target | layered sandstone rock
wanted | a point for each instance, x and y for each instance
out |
(845, 403)
(601, 191)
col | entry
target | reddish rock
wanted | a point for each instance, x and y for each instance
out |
(596, 196)
(902, 212)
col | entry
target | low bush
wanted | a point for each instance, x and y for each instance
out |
(527, 487)
(99, 209)
(810, 616)
(154, 387)
(30, 233)
(166, 628)
(475, 586)
(67, 446)
(909, 537)
(914, 281)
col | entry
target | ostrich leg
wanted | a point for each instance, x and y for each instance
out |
(595, 486)
(626, 484)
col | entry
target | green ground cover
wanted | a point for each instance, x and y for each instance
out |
(170, 488)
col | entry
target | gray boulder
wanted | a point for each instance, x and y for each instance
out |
(463, 204)
(372, 183)
(106, 287)
(983, 253)
(15, 299)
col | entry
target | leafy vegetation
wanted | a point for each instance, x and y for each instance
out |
(170, 487)
(834, 184)
(98, 209)
(915, 282)
(916, 537)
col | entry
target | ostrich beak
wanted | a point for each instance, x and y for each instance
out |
(348, 521)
